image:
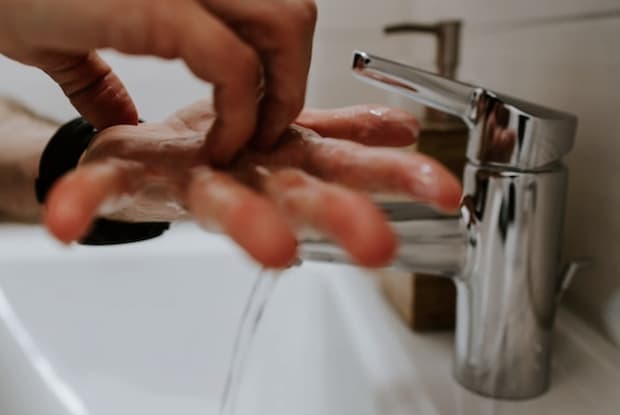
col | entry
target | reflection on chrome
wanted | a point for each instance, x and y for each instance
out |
(503, 252)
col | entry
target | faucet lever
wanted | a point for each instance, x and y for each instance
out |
(504, 131)
(433, 90)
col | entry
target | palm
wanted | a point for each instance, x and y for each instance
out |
(306, 181)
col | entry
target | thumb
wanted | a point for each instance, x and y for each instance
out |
(78, 197)
(93, 88)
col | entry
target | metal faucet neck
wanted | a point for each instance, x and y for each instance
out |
(504, 131)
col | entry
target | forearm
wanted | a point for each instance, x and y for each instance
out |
(23, 136)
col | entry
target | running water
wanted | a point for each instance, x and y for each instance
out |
(250, 320)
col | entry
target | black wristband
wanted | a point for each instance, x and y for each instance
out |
(62, 155)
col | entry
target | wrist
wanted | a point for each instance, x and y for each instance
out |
(23, 136)
(60, 157)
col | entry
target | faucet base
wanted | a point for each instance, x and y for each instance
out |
(499, 393)
(507, 293)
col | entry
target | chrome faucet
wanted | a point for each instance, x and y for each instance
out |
(503, 251)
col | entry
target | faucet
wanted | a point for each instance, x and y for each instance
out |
(503, 250)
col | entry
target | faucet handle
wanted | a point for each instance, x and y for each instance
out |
(504, 131)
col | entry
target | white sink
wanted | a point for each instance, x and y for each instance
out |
(149, 329)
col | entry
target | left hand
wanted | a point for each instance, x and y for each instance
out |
(237, 45)
(154, 171)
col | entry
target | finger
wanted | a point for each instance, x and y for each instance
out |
(370, 169)
(77, 198)
(286, 54)
(181, 29)
(250, 220)
(373, 125)
(91, 86)
(215, 54)
(350, 219)
(385, 170)
(285, 82)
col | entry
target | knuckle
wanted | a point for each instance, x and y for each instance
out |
(302, 12)
(285, 21)
(310, 12)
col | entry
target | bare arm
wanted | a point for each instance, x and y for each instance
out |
(23, 136)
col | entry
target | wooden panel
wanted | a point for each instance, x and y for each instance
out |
(433, 303)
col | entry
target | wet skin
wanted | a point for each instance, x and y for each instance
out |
(318, 176)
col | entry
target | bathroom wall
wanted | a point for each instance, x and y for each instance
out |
(147, 79)
(343, 26)
(564, 54)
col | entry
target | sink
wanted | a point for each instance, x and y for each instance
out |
(149, 329)
(146, 328)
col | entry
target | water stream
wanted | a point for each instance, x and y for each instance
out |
(257, 301)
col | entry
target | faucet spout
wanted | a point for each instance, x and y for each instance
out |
(503, 130)
(427, 88)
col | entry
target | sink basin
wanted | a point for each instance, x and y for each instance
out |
(149, 329)
(146, 328)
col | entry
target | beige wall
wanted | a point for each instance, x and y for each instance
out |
(343, 26)
(514, 47)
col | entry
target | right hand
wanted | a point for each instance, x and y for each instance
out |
(231, 43)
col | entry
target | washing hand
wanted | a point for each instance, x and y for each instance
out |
(233, 44)
(154, 171)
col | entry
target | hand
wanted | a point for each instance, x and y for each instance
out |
(230, 43)
(154, 172)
